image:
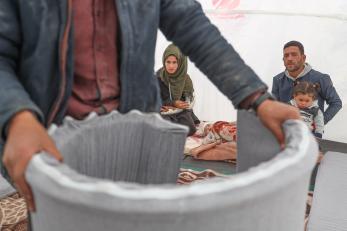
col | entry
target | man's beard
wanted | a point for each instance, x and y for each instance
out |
(295, 67)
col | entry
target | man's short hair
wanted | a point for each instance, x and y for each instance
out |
(295, 44)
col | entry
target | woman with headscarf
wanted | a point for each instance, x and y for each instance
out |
(176, 88)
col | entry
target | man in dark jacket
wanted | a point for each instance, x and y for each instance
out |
(71, 57)
(297, 70)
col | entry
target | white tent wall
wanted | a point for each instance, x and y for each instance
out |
(258, 30)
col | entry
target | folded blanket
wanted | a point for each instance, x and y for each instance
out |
(215, 151)
(221, 131)
(213, 141)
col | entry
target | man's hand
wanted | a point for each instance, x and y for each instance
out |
(273, 114)
(26, 137)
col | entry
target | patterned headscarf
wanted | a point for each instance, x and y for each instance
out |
(179, 82)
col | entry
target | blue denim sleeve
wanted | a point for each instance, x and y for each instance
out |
(274, 90)
(13, 97)
(331, 97)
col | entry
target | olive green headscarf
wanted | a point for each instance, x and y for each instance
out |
(178, 82)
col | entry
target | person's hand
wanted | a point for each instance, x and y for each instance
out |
(164, 109)
(181, 104)
(273, 114)
(167, 108)
(26, 137)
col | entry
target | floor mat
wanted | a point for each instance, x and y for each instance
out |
(187, 176)
(13, 213)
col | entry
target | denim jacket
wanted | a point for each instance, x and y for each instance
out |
(36, 58)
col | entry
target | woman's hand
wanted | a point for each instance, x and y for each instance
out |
(181, 104)
(26, 137)
(164, 108)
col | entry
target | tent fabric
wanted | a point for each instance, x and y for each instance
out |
(328, 211)
(258, 30)
(270, 196)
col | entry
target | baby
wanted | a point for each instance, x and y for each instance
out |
(305, 99)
